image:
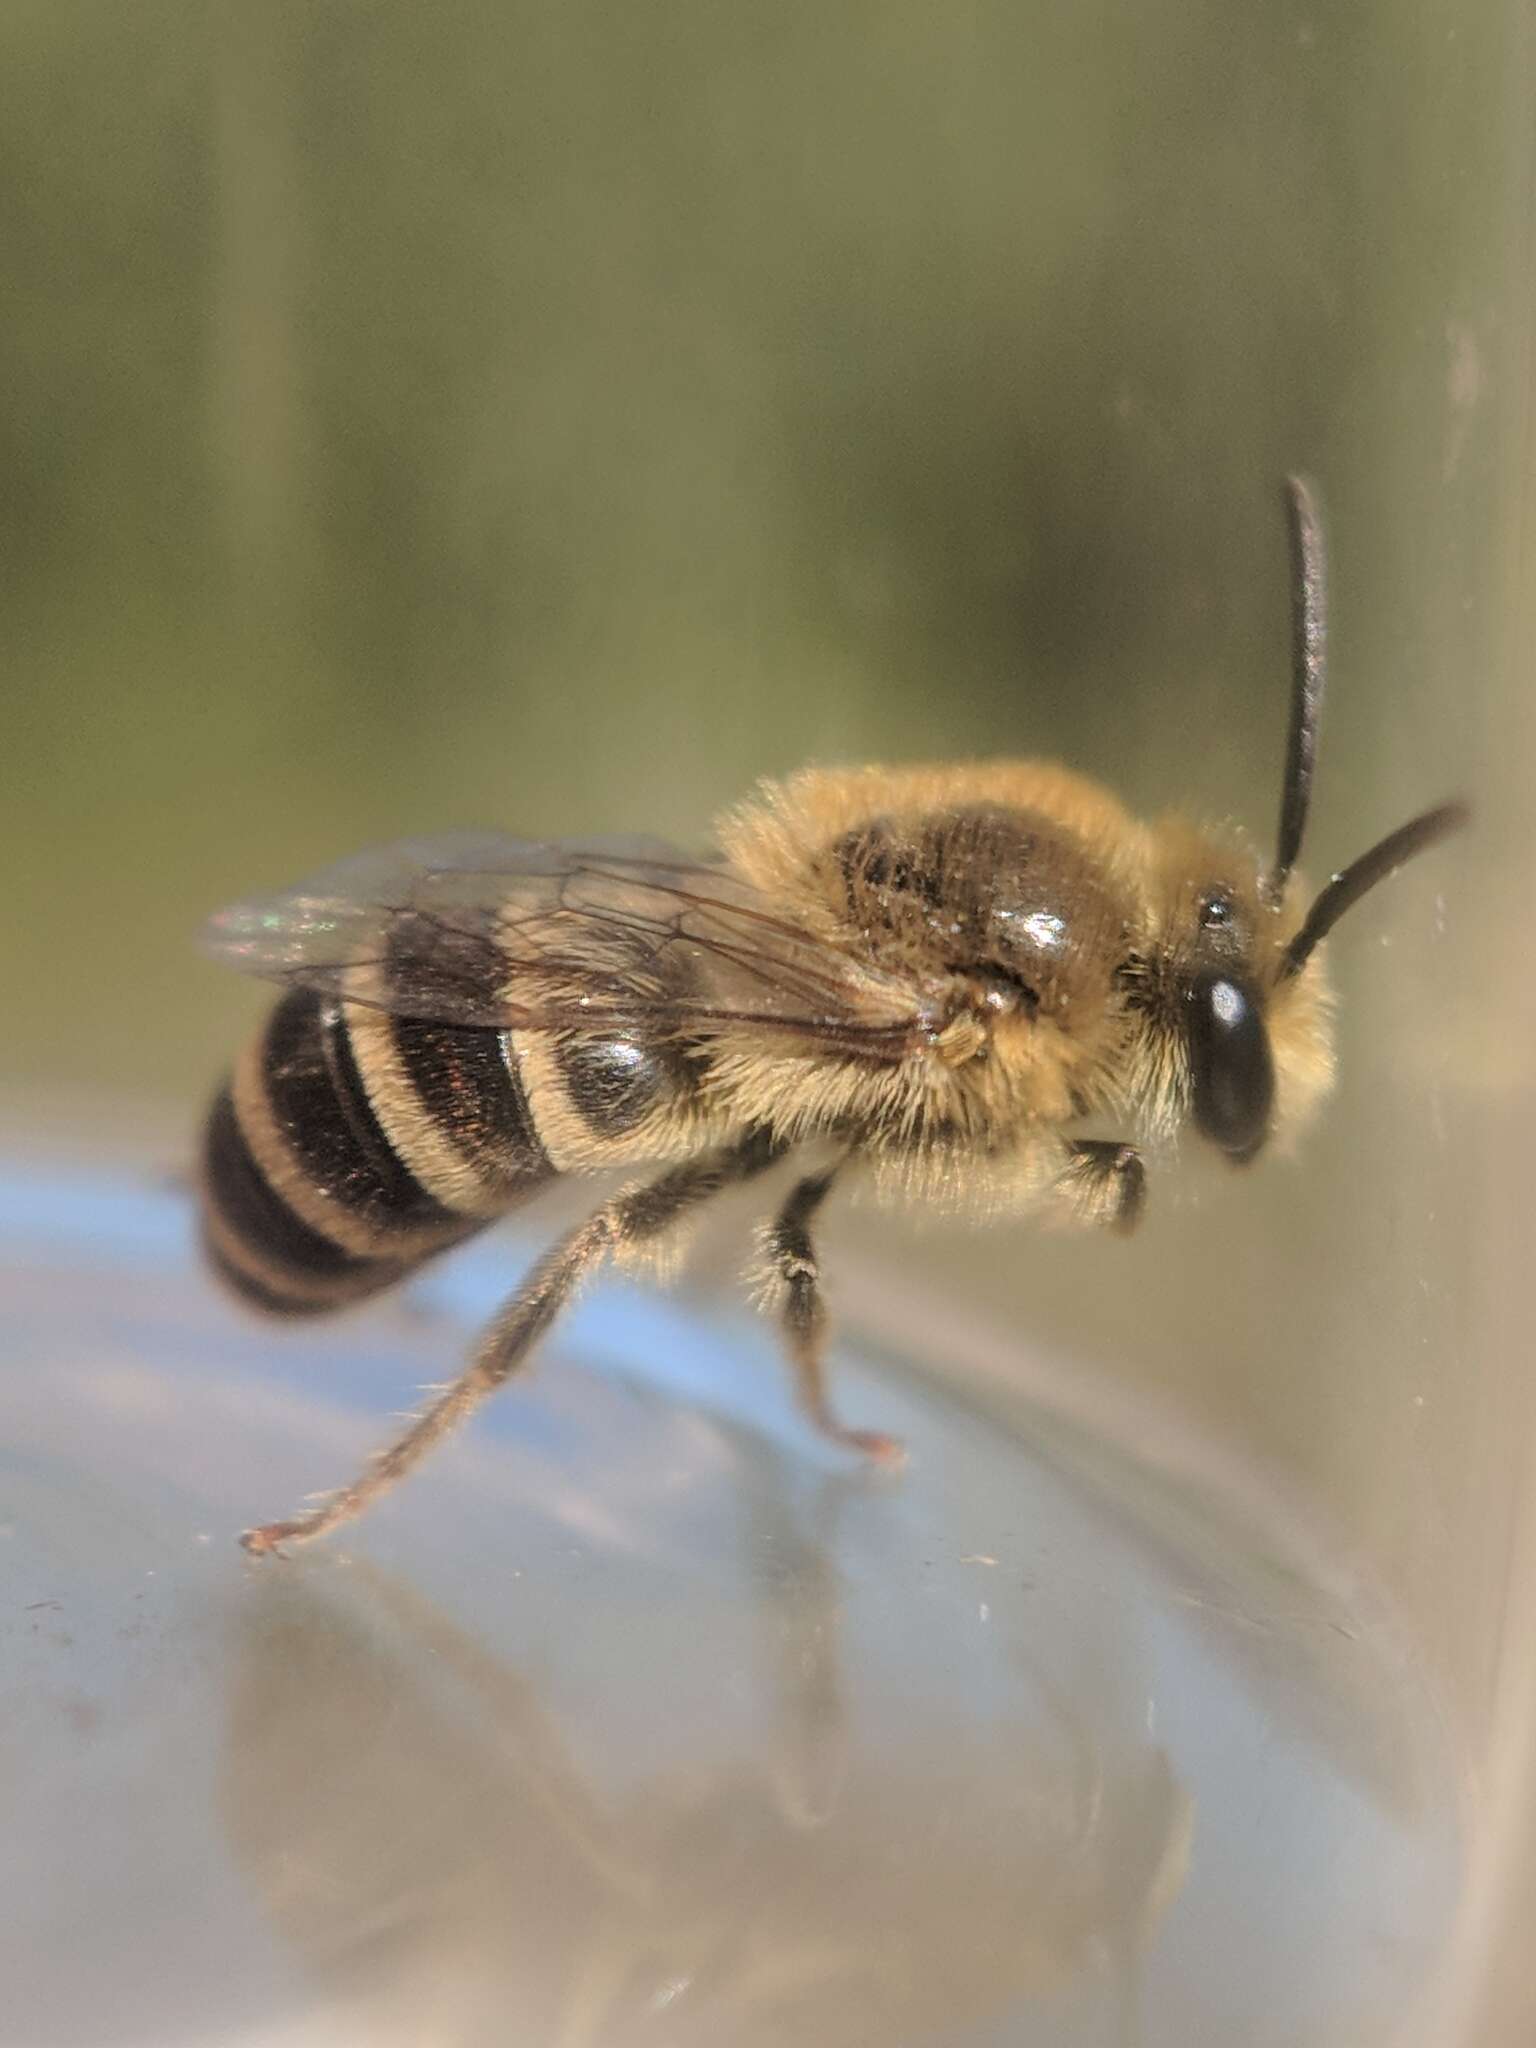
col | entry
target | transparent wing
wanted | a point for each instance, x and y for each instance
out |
(563, 934)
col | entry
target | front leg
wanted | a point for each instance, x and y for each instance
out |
(1102, 1183)
(791, 1281)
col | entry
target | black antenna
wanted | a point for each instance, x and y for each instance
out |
(1309, 673)
(1384, 858)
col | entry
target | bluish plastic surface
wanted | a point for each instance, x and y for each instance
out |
(636, 1717)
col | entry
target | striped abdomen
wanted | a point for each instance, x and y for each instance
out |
(351, 1144)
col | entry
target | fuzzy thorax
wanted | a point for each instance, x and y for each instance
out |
(1051, 936)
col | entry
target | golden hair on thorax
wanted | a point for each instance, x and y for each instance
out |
(983, 984)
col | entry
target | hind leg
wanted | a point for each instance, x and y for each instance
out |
(632, 1217)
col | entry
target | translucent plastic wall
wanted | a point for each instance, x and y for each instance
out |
(558, 417)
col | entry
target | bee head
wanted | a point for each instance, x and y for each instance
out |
(1240, 982)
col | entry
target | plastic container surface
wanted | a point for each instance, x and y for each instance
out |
(634, 1718)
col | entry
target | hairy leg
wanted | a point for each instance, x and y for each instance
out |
(1103, 1183)
(792, 1283)
(631, 1217)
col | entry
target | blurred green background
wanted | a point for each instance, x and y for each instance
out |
(557, 416)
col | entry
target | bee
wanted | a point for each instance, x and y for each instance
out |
(946, 979)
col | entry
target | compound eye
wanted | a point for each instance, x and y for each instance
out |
(1230, 1064)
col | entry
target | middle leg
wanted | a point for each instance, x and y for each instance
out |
(792, 1282)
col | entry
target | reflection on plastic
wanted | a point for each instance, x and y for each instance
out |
(637, 1723)
(418, 1827)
